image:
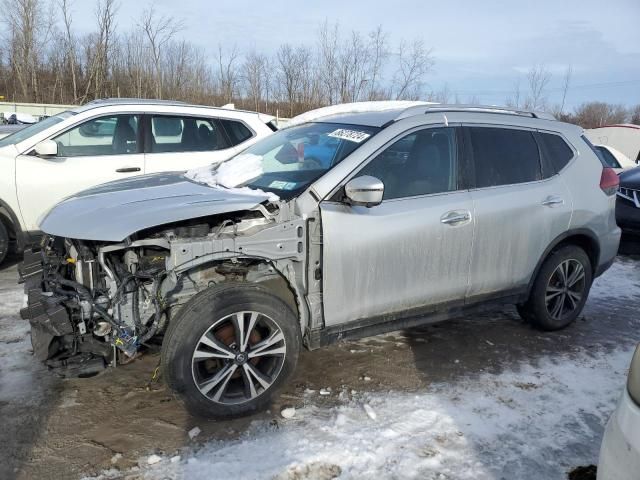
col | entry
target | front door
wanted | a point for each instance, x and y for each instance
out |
(412, 250)
(97, 151)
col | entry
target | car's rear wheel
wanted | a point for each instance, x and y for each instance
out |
(560, 290)
(4, 241)
(230, 349)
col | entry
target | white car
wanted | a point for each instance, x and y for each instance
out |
(620, 451)
(615, 158)
(109, 140)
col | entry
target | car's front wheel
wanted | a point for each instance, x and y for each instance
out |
(230, 349)
(560, 290)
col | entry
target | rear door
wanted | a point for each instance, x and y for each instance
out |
(99, 150)
(520, 204)
(178, 142)
(414, 248)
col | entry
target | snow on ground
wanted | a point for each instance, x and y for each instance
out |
(531, 419)
(544, 417)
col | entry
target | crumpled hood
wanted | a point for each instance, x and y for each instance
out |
(113, 211)
(630, 178)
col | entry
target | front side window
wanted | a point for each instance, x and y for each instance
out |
(186, 134)
(421, 163)
(34, 129)
(504, 156)
(112, 135)
(288, 161)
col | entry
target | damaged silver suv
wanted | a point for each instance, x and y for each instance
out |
(344, 225)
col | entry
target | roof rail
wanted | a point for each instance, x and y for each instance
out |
(439, 107)
(147, 101)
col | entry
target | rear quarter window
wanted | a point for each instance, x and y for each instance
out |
(237, 131)
(556, 150)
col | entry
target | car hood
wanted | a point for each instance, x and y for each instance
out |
(630, 178)
(115, 210)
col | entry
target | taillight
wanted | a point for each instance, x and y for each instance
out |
(609, 181)
(633, 383)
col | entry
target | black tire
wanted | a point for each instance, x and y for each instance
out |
(553, 305)
(204, 319)
(4, 241)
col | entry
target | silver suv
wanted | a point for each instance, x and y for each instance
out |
(346, 225)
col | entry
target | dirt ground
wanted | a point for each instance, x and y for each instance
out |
(55, 428)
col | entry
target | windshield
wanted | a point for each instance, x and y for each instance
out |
(288, 161)
(31, 130)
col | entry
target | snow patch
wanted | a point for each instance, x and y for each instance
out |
(239, 170)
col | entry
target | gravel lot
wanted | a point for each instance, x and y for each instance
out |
(484, 396)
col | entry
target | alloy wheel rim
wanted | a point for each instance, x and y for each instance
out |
(238, 358)
(565, 289)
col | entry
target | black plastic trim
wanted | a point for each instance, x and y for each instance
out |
(410, 318)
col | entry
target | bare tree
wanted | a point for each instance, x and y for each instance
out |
(566, 80)
(228, 76)
(159, 31)
(328, 43)
(378, 55)
(254, 69)
(538, 79)
(100, 48)
(514, 100)
(635, 115)
(598, 114)
(414, 62)
(69, 45)
(28, 32)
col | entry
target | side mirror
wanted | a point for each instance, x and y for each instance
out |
(366, 191)
(46, 148)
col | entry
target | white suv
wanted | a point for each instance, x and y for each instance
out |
(109, 140)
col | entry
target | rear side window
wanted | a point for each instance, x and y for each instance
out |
(608, 157)
(237, 131)
(557, 150)
(503, 156)
(186, 134)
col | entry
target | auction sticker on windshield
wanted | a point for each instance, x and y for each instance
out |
(350, 135)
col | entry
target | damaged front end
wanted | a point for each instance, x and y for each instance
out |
(92, 304)
(84, 308)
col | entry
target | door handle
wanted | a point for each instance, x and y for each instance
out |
(128, 169)
(552, 201)
(455, 218)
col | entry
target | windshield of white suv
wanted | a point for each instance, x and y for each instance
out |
(31, 130)
(288, 161)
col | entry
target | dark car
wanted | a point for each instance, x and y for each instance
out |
(628, 202)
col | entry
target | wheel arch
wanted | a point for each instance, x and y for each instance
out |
(274, 280)
(11, 221)
(583, 238)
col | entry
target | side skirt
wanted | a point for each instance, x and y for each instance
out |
(408, 319)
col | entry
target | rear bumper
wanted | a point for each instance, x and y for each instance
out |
(620, 451)
(609, 245)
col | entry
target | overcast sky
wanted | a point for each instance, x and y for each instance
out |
(480, 47)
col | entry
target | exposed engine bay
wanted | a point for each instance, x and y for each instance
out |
(93, 304)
